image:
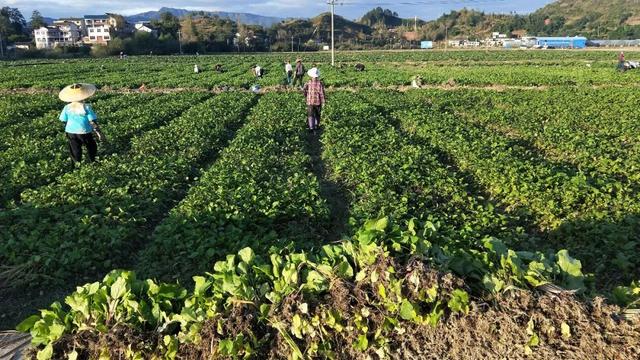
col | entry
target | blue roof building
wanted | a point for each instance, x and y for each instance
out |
(577, 42)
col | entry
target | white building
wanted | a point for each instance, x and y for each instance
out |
(496, 40)
(146, 27)
(98, 34)
(78, 21)
(98, 29)
(21, 46)
(71, 33)
(48, 37)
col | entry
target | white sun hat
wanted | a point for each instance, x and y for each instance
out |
(77, 92)
(314, 73)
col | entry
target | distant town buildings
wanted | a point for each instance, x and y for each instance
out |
(524, 42)
(90, 29)
(62, 34)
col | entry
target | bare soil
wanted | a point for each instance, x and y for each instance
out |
(500, 328)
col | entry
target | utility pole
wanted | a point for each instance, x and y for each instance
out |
(446, 37)
(291, 43)
(180, 41)
(333, 48)
(1, 46)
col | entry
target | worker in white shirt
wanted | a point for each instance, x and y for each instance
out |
(288, 69)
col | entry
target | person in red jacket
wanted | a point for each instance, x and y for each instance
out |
(314, 93)
(621, 65)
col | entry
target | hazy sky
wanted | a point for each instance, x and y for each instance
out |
(351, 9)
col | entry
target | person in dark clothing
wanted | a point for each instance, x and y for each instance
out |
(219, 68)
(299, 73)
(314, 93)
(80, 121)
(359, 67)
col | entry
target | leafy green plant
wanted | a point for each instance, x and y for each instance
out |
(261, 287)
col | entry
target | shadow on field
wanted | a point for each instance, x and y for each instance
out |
(201, 240)
(607, 248)
(188, 245)
(331, 191)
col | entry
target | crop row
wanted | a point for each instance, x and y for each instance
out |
(586, 212)
(593, 129)
(20, 109)
(95, 216)
(260, 193)
(357, 297)
(32, 164)
(381, 69)
(387, 173)
(47, 125)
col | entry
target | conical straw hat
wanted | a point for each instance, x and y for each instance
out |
(77, 92)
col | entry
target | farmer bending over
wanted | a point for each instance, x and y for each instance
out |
(80, 120)
(314, 92)
(257, 71)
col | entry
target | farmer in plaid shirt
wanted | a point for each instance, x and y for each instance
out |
(314, 92)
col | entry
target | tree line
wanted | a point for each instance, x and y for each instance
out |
(199, 32)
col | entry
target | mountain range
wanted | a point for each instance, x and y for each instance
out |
(619, 19)
(595, 19)
(245, 18)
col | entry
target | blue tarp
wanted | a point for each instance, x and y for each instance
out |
(426, 45)
(563, 42)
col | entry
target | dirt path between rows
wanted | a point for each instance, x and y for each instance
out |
(450, 85)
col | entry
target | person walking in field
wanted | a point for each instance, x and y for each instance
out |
(314, 93)
(621, 60)
(80, 121)
(299, 73)
(196, 69)
(288, 69)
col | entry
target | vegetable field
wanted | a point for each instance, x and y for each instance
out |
(494, 213)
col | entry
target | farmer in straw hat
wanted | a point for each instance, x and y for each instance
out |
(299, 73)
(80, 120)
(314, 92)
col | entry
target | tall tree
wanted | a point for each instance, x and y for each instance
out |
(37, 21)
(168, 24)
(11, 21)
